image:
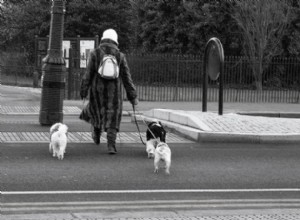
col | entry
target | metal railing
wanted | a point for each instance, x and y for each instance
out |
(179, 78)
(16, 75)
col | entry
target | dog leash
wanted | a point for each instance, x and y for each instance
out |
(81, 133)
(134, 115)
(136, 123)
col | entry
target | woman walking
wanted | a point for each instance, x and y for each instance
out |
(104, 110)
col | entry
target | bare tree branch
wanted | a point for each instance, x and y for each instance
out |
(263, 23)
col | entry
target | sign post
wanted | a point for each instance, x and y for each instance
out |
(213, 66)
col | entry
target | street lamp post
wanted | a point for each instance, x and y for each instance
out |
(53, 69)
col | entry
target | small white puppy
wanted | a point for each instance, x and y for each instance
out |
(162, 154)
(58, 140)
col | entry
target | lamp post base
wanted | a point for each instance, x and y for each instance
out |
(50, 118)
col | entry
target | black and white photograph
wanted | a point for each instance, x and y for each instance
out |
(150, 110)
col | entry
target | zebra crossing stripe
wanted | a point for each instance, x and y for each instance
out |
(33, 110)
(78, 137)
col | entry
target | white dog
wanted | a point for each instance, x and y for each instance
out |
(150, 147)
(58, 140)
(162, 154)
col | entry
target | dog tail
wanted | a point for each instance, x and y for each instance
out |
(63, 129)
(160, 151)
(162, 148)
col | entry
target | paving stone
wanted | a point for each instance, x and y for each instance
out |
(248, 124)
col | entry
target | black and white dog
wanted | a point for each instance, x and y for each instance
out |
(154, 135)
(156, 146)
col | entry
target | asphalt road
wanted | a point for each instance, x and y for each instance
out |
(199, 169)
(203, 175)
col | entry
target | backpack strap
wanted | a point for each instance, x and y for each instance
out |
(99, 53)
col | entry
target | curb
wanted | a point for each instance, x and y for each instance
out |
(164, 210)
(164, 214)
(224, 137)
(186, 128)
(272, 114)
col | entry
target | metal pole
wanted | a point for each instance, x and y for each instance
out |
(205, 80)
(176, 97)
(221, 77)
(71, 75)
(53, 69)
(35, 71)
(221, 92)
(96, 41)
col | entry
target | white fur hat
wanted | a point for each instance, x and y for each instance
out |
(110, 34)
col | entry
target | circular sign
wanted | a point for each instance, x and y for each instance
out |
(214, 58)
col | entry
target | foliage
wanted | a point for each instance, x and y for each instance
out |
(212, 19)
(91, 17)
(179, 27)
(291, 39)
(182, 26)
(86, 18)
(20, 21)
(263, 24)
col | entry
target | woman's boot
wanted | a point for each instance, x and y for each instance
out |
(111, 140)
(96, 134)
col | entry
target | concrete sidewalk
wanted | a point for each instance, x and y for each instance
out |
(229, 127)
(240, 122)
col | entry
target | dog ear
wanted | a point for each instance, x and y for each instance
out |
(151, 123)
(163, 135)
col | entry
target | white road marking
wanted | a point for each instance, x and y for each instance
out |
(149, 191)
(290, 206)
(150, 204)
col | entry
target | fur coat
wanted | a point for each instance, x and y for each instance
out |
(104, 109)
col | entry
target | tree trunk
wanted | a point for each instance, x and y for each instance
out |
(257, 73)
(258, 85)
